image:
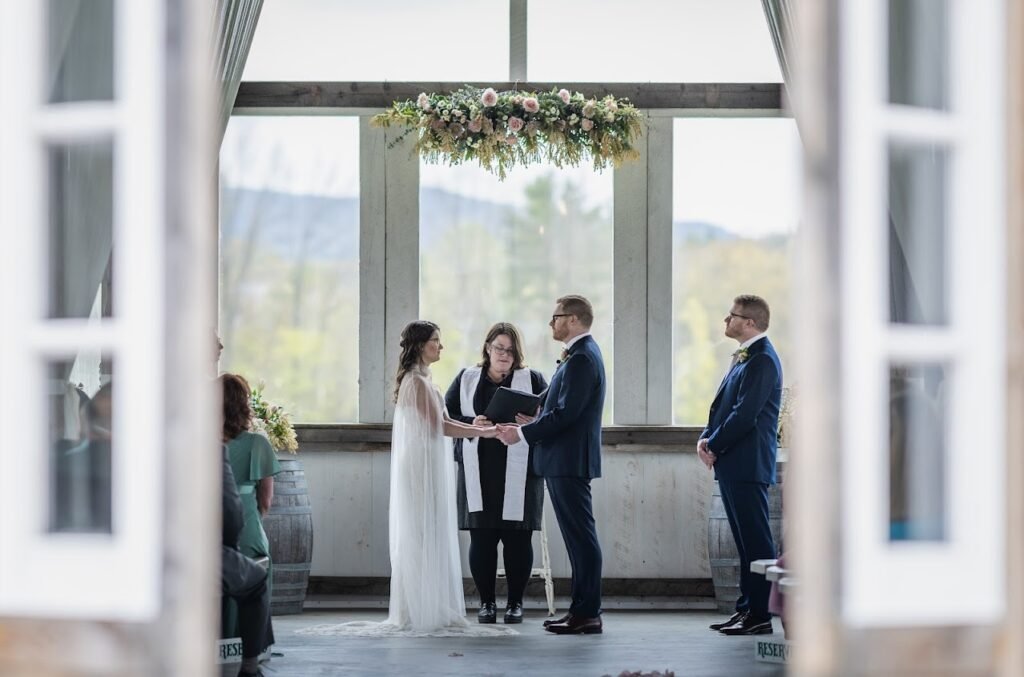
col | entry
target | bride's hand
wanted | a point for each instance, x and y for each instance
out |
(489, 432)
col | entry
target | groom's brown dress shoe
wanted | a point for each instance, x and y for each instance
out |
(577, 625)
(558, 621)
(750, 626)
(733, 620)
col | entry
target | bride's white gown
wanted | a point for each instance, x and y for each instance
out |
(426, 571)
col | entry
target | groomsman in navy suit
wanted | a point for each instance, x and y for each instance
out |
(566, 442)
(739, 442)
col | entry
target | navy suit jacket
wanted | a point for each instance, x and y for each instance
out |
(566, 437)
(744, 417)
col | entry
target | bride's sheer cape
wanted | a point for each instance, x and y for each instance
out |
(426, 571)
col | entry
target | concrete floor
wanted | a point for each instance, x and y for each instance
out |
(633, 641)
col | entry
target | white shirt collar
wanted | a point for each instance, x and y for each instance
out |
(574, 339)
(752, 341)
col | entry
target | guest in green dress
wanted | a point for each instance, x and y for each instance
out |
(254, 465)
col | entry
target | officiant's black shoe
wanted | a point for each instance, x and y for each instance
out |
(578, 625)
(733, 620)
(488, 613)
(558, 621)
(750, 626)
(514, 613)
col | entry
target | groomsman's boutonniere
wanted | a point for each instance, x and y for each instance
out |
(742, 355)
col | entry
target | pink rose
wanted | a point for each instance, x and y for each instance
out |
(515, 124)
(511, 140)
(475, 126)
(563, 94)
(530, 104)
(587, 124)
(423, 101)
(489, 97)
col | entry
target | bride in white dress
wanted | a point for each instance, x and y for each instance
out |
(426, 571)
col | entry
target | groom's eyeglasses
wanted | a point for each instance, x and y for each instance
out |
(558, 315)
(511, 352)
(743, 317)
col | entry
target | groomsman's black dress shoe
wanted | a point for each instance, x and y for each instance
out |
(488, 613)
(750, 626)
(558, 621)
(514, 613)
(577, 625)
(735, 619)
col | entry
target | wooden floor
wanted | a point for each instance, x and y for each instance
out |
(633, 641)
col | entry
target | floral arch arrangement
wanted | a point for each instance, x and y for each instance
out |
(503, 129)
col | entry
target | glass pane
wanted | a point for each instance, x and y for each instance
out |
(452, 40)
(81, 229)
(650, 41)
(735, 206)
(80, 411)
(80, 50)
(918, 234)
(289, 266)
(917, 453)
(503, 251)
(919, 53)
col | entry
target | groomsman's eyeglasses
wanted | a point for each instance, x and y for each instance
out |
(511, 352)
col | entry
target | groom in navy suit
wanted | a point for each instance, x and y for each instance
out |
(739, 442)
(566, 441)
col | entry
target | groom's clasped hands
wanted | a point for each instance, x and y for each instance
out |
(508, 433)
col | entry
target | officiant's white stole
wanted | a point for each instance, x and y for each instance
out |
(518, 456)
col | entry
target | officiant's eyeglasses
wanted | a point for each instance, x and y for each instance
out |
(511, 352)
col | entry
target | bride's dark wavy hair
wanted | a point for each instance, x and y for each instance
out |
(414, 337)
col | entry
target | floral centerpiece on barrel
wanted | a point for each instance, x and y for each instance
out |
(503, 129)
(273, 422)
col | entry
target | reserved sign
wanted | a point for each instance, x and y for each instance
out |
(771, 650)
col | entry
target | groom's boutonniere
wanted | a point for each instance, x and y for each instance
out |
(741, 355)
(564, 356)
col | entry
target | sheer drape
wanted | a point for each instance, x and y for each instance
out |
(426, 572)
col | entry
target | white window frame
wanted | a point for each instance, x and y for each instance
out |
(57, 575)
(914, 583)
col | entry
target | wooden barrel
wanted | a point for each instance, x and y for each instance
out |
(289, 527)
(725, 559)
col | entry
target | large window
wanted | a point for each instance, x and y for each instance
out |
(458, 40)
(735, 206)
(650, 41)
(504, 251)
(289, 260)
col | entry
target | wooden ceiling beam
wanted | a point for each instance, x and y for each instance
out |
(267, 97)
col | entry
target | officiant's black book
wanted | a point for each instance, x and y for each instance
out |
(506, 403)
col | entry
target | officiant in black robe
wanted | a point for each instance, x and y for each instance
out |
(499, 498)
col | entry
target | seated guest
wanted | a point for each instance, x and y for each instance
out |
(242, 579)
(253, 464)
(83, 471)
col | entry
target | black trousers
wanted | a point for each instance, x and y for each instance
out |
(571, 499)
(246, 582)
(483, 561)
